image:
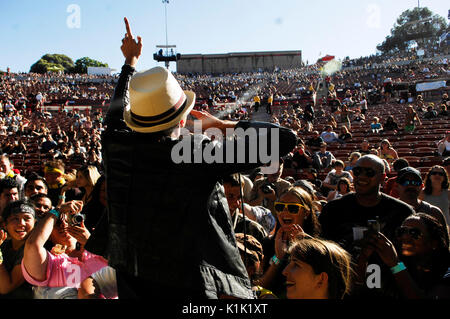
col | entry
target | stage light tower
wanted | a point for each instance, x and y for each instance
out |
(165, 56)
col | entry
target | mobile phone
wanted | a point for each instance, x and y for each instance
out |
(374, 225)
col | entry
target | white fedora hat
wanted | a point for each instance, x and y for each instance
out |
(157, 101)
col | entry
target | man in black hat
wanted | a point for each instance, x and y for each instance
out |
(409, 184)
(170, 230)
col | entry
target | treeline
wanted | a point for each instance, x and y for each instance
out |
(63, 63)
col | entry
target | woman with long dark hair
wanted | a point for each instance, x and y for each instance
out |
(421, 266)
(436, 191)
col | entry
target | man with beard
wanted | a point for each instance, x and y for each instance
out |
(409, 184)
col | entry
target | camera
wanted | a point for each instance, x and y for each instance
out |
(267, 188)
(75, 220)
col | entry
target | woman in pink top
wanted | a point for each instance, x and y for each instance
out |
(67, 264)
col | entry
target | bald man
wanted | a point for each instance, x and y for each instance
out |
(343, 220)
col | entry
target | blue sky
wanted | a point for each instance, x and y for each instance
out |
(31, 29)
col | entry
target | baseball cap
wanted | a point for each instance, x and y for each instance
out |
(408, 171)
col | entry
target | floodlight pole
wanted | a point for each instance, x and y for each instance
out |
(167, 41)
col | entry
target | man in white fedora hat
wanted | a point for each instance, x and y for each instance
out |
(170, 231)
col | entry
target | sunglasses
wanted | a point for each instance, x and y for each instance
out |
(370, 172)
(437, 173)
(415, 233)
(408, 182)
(293, 208)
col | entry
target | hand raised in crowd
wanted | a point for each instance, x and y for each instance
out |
(80, 233)
(73, 207)
(384, 248)
(130, 48)
(3, 236)
(285, 235)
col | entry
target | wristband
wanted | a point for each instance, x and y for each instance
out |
(275, 260)
(399, 267)
(1, 257)
(62, 197)
(54, 212)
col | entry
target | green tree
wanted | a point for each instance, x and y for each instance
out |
(53, 62)
(418, 25)
(82, 64)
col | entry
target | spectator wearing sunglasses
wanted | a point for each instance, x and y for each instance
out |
(342, 218)
(295, 212)
(436, 191)
(418, 257)
(409, 184)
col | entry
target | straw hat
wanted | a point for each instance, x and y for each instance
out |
(157, 101)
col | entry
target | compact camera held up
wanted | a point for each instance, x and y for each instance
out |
(76, 220)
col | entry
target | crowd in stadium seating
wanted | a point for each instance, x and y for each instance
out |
(338, 120)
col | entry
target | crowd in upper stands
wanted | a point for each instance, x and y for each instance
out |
(369, 107)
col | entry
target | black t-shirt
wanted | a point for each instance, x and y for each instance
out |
(11, 259)
(301, 159)
(338, 217)
(390, 126)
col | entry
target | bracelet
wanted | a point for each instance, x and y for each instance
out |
(1, 257)
(62, 197)
(275, 260)
(399, 267)
(54, 212)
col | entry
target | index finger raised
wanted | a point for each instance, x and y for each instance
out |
(127, 26)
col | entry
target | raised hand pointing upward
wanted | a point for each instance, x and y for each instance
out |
(130, 48)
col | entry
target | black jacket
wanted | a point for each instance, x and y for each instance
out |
(170, 223)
